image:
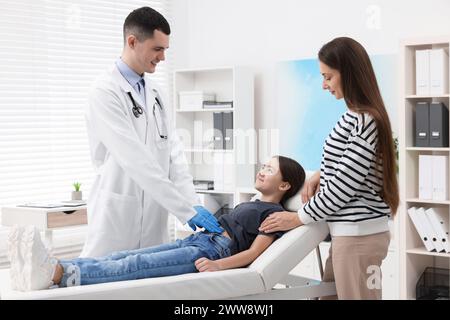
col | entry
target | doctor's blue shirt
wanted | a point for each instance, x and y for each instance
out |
(135, 80)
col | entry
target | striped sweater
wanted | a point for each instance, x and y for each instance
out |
(349, 196)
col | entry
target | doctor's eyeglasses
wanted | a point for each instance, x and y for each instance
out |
(267, 170)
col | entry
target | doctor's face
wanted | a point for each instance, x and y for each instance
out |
(148, 53)
(331, 80)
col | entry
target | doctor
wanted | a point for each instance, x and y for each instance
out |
(142, 173)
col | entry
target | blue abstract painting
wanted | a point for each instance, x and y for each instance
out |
(307, 113)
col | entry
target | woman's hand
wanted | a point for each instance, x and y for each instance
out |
(311, 187)
(280, 221)
(206, 265)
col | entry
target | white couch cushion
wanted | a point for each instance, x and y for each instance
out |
(295, 202)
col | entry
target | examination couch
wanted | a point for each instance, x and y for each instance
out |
(268, 277)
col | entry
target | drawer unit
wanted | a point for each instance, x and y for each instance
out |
(43, 218)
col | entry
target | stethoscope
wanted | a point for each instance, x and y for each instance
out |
(138, 111)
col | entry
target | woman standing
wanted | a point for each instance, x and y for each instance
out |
(356, 190)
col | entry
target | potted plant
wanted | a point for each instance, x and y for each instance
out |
(396, 151)
(77, 194)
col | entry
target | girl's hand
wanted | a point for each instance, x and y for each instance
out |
(206, 265)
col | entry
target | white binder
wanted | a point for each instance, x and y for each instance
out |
(438, 71)
(440, 177)
(440, 222)
(437, 242)
(418, 224)
(422, 72)
(425, 177)
(426, 227)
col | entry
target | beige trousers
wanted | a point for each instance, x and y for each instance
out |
(354, 264)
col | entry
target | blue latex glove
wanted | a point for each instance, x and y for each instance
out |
(204, 219)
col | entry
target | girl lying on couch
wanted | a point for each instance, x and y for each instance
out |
(33, 268)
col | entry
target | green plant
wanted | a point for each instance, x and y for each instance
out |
(396, 150)
(77, 186)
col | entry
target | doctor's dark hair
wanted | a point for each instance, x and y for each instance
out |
(143, 22)
(292, 172)
(362, 95)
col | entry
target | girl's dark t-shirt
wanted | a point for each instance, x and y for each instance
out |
(243, 222)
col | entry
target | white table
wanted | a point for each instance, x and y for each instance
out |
(45, 219)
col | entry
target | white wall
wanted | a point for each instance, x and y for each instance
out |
(261, 32)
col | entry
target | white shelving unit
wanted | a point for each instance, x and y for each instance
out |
(195, 128)
(414, 258)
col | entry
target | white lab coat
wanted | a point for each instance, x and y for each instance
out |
(140, 177)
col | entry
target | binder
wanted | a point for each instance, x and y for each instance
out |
(422, 134)
(228, 130)
(440, 222)
(426, 226)
(438, 71)
(432, 232)
(438, 125)
(439, 169)
(418, 224)
(218, 130)
(423, 72)
(425, 177)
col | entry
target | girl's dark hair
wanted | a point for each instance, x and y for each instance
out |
(362, 95)
(143, 22)
(292, 172)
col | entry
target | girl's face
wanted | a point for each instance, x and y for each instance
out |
(331, 80)
(268, 178)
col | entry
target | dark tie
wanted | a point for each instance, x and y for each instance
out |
(141, 83)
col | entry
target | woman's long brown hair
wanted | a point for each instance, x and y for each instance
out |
(362, 95)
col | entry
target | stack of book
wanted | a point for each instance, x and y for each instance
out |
(203, 185)
(217, 104)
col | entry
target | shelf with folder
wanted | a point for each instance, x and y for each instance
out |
(426, 69)
(214, 130)
(426, 123)
(428, 229)
(424, 135)
(426, 173)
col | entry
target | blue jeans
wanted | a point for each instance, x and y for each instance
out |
(164, 260)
